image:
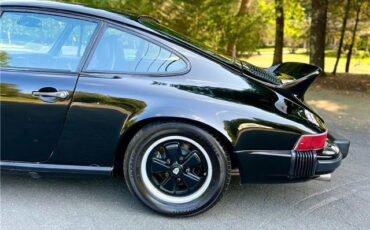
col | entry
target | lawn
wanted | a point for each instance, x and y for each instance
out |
(358, 65)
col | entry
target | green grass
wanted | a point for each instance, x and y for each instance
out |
(285, 50)
(358, 65)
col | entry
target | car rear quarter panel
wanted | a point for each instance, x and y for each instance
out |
(246, 113)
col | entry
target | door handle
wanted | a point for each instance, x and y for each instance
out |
(58, 94)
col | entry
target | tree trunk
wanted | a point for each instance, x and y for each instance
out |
(243, 7)
(231, 48)
(279, 32)
(349, 54)
(318, 31)
(342, 35)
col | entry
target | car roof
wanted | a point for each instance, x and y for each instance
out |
(123, 17)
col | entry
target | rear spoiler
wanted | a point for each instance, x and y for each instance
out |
(296, 77)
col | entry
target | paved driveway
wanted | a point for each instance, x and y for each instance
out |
(105, 203)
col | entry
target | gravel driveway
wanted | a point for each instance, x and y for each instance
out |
(105, 203)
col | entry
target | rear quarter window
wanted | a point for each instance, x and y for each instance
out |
(123, 52)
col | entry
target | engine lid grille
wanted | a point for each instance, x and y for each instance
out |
(261, 73)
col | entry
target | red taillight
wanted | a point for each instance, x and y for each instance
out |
(311, 142)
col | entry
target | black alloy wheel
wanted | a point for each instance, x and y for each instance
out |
(176, 168)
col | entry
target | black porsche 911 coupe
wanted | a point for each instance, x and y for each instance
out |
(88, 91)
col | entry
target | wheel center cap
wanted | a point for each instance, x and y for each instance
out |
(176, 171)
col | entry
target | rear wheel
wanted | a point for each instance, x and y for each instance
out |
(176, 168)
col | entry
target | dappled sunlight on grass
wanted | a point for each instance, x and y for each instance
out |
(329, 106)
(358, 65)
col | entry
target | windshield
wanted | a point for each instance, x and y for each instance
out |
(196, 44)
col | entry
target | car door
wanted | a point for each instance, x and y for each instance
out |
(111, 88)
(40, 55)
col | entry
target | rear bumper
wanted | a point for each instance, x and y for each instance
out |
(342, 143)
(290, 166)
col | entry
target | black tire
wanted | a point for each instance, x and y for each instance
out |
(211, 185)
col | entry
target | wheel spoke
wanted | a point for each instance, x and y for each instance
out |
(177, 167)
(190, 179)
(169, 184)
(173, 151)
(159, 166)
(192, 160)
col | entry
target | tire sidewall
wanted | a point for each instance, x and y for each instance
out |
(146, 137)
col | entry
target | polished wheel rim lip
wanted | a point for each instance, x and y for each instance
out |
(165, 197)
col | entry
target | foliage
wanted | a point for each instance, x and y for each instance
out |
(222, 25)
(10, 90)
(4, 59)
(296, 25)
(212, 22)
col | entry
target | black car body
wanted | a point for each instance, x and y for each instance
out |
(77, 112)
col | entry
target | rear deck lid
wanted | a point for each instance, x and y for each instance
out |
(288, 78)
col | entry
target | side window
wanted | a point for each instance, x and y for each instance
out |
(78, 39)
(41, 41)
(119, 51)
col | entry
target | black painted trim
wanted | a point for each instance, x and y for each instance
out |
(37, 167)
(328, 166)
(342, 143)
(263, 165)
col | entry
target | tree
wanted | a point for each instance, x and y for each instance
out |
(231, 46)
(4, 58)
(318, 31)
(233, 27)
(345, 17)
(279, 34)
(295, 25)
(358, 7)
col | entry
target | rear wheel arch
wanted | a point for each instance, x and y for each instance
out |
(188, 172)
(129, 133)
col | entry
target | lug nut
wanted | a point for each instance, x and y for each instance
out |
(168, 161)
(187, 170)
(179, 179)
(181, 159)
